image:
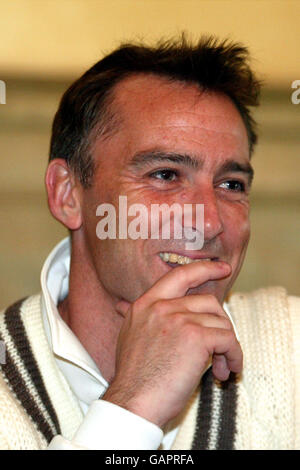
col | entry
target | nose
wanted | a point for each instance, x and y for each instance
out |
(213, 223)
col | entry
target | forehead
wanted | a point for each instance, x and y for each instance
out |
(158, 114)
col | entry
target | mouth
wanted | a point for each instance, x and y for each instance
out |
(174, 259)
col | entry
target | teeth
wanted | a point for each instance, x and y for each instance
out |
(178, 259)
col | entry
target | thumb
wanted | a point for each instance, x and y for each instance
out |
(122, 307)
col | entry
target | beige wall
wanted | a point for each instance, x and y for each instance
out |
(45, 44)
(61, 37)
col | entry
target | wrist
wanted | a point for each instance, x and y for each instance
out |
(146, 406)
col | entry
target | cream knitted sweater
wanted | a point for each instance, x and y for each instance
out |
(260, 409)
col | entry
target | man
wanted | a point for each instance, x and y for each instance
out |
(134, 342)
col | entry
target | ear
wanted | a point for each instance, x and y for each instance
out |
(64, 194)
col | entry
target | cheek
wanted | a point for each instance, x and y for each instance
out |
(243, 231)
(238, 228)
(238, 235)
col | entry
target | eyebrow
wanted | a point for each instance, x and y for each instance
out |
(141, 159)
(232, 166)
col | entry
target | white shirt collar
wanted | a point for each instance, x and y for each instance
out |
(78, 367)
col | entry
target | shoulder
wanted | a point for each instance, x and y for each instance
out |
(14, 335)
(22, 304)
(22, 307)
(264, 293)
(294, 313)
(274, 300)
(15, 318)
(294, 305)
(266, 318)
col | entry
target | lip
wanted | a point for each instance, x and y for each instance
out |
(192, 255)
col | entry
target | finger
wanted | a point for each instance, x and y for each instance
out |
(219, 367)
(204, 320)
(180, 279)
(192, 303)
(224, 342)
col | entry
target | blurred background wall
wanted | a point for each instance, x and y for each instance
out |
(46, 44)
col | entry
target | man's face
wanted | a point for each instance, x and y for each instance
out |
(174, 145)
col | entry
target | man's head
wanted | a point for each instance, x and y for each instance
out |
(159, 126)
(86, 111)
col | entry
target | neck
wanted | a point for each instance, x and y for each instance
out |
(90, 313)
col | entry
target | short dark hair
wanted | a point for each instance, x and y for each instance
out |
(85, 110)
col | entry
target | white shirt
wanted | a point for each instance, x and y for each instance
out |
(98, 429)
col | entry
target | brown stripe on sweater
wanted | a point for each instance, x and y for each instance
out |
(227, 426)
(203, 420)
(17, 331)
(18, 387)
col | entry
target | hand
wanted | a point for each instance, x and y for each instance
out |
(166, 341)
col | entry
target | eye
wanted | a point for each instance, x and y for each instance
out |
(165, 175)
(234, 185)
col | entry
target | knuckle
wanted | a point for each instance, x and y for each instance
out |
(192, 332)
